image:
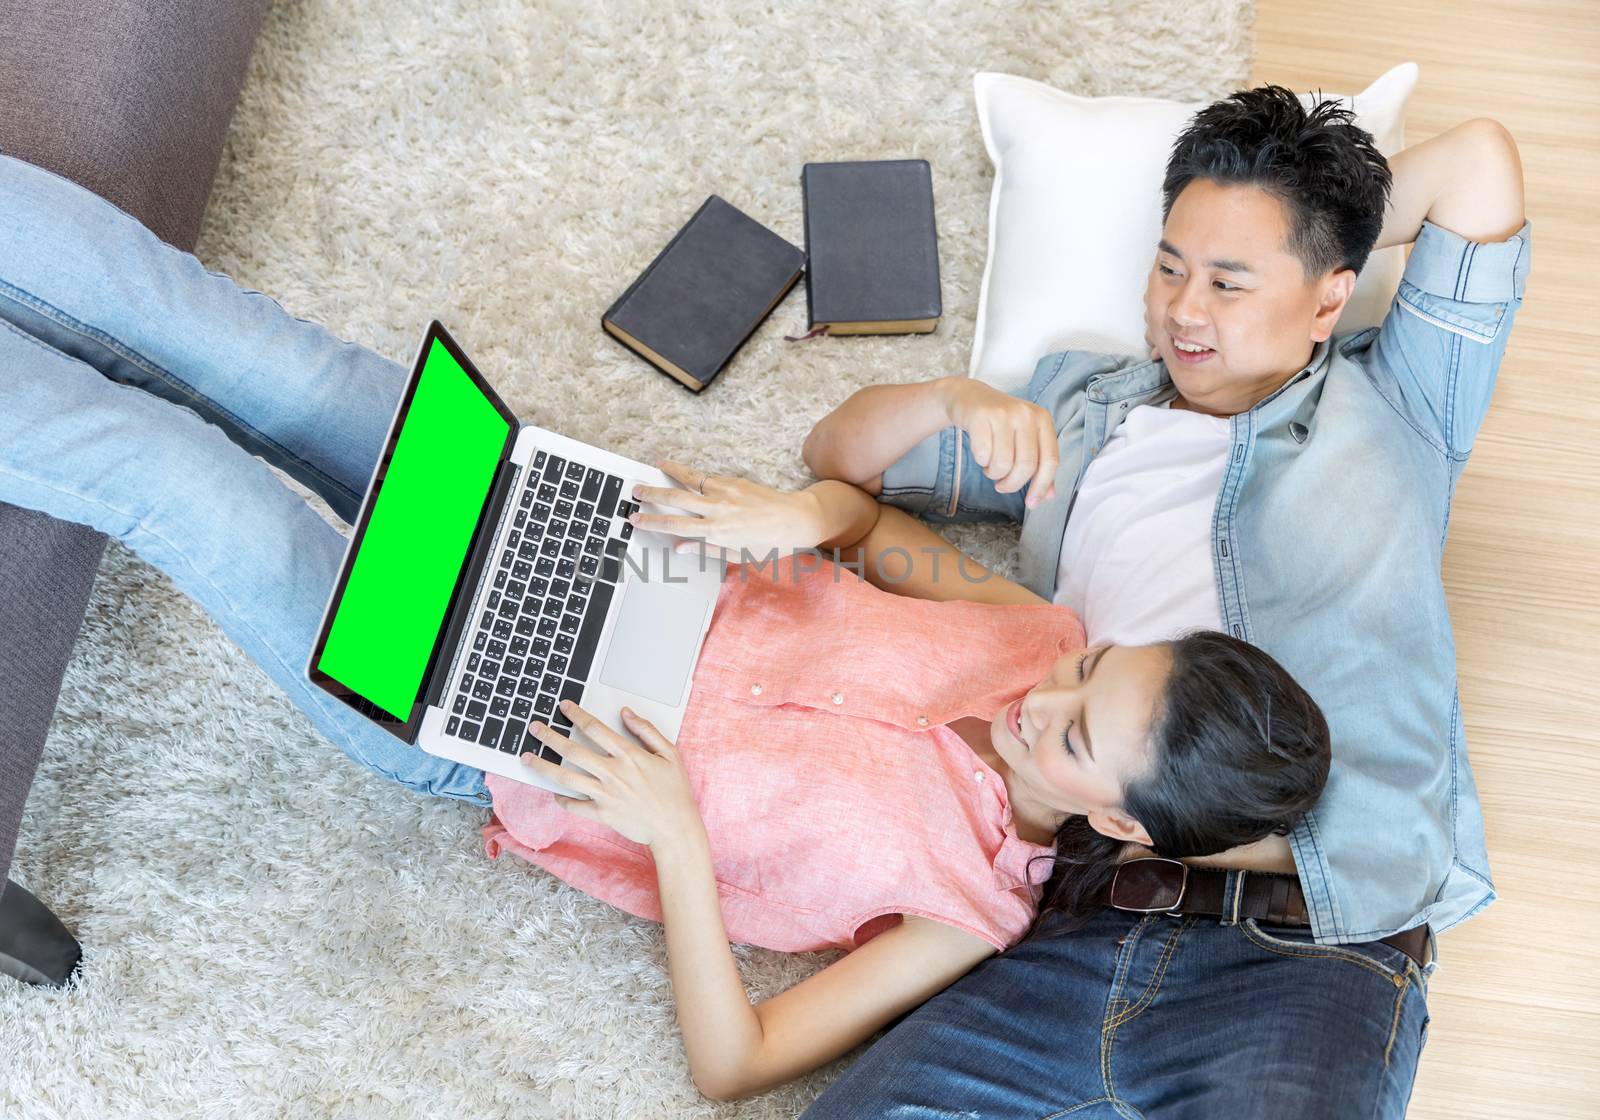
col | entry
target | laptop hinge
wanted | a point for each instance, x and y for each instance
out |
(473, 573)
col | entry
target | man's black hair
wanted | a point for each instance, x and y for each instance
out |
(1323, 167)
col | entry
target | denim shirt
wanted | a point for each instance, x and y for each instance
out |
(1327, 543)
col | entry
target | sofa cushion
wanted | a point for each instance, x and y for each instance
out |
(129, 98)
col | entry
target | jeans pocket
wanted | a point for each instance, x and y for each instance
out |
(1375, 956)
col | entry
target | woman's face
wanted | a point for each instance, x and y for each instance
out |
(1081, 734)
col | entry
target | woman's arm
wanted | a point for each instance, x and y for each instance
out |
(886, 546)
(892, 550)
(734, 1048)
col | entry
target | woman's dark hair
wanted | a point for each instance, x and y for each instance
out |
(1239, 751)
(1323, 167)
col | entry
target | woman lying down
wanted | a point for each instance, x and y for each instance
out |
(903, 769)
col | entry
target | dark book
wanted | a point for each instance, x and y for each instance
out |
(704, 294)
(872, 252)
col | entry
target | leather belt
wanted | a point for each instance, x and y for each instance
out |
(1152, 885)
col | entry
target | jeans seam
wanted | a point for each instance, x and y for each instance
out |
(1401, 984)
(1154, 988)
(1126, 948)
(127, 353)
(1116, 1104)
(1108, 1032)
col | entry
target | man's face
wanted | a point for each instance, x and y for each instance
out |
(1224, 278)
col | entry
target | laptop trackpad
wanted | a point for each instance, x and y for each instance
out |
(652, 645)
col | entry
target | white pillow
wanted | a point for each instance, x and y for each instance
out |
(1076, 213)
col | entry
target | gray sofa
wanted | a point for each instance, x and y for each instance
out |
(131, 99)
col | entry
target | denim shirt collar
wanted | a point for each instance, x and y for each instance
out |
(1108, 397)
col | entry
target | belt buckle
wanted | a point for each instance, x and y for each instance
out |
(1145, 885)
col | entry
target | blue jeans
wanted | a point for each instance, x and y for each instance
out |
(137, 389)
(1154, 1016)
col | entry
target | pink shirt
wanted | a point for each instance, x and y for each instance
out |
(834, 797)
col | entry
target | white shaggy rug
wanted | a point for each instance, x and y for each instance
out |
(269, 931)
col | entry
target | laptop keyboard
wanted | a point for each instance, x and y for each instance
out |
(553, 582)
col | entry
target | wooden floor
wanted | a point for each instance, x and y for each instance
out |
(1516, 1001)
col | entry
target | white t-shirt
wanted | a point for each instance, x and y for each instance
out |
(1136, 557)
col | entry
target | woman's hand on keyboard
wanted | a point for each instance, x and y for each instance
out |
(732, 514)
(633, 782)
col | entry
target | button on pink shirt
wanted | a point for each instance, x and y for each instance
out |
(834, 798)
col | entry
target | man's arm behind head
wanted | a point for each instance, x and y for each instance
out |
(1467, 180)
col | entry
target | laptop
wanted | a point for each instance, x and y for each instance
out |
(492, 573)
